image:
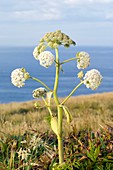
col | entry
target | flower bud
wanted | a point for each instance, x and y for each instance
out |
(80, 75)
(60, 37)
(46, 39)
(47, 34)
(56, 37)
(26, 76)
(50, 44)
(65, 37)
(39, 92)
(55, 45)
(66, 45)
(70, 41)
(57, 33)
(42, 40)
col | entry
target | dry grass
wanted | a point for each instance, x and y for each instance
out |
(89, 112)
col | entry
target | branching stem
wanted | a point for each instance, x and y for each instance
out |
(36, 79)
(65, 61)
(48, 107)
(72, 92)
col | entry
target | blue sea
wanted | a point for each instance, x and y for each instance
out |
(17, 57)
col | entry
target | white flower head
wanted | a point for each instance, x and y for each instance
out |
(46, 58)
(92, 79)
(18, 77)
(83, 60)
(39, 92)
(35, 53)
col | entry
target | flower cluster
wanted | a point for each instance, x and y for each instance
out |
(19, 76)
(46, 58)
(39, 92)
(92, 79)
(53, 40)
(83, 60)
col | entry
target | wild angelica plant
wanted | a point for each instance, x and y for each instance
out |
(92, 79)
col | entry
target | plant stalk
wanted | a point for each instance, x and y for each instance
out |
(72, 92)
(48, 106)
(65, 61)
(59, 137)
(36, 79)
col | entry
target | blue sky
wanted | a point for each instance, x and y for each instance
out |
(24, 22)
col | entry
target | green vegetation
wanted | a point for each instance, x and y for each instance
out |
(28, 143)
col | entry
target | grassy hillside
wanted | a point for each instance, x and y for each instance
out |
(89, 112)
(27, 143)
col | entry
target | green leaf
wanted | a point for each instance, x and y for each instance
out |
(68, 114)
(97, 151)
(89, 155)
(54, 124)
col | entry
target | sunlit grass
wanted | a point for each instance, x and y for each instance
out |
(88, 141)
(89, 112)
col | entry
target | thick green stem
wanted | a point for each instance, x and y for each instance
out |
(60, 141)
(36, 79)
(72, 92)
(56, 78)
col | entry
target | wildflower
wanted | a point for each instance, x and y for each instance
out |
(54, 39)
(46, 58)
(92, 79)
(39, 92)
(83, 60)
(18, 77)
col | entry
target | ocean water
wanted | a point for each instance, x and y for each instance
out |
(17, 57)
